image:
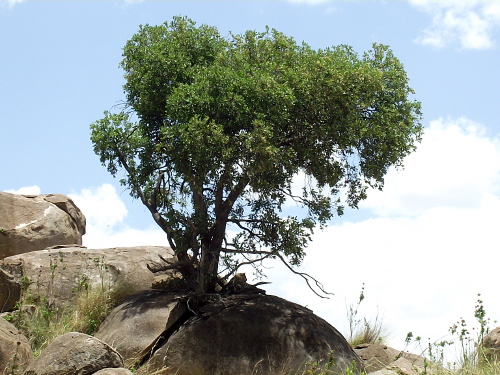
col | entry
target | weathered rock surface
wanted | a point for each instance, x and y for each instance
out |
(35, 222)
(376, 356)
(74, 354)
(114, 371)
(144, 317)
(384, 372)
(15, 350)
(380, 359)
(56, 273)
(249, 334)
(491, 344)
(10, 291)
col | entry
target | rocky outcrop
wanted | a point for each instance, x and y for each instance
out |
(145, 317)
(236, 334)
(74, 353)
(35, 222)
(491, 345)
(380, 359)
(56, 273)
(15, 351)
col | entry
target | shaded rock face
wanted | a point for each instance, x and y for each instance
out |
(74, 353)
(56, 273)
(145, 317)
(15, 350)
(35, 222)
(239, 334)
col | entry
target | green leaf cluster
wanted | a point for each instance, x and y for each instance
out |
(215, 130)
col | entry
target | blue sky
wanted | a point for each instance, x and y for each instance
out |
(424, 247)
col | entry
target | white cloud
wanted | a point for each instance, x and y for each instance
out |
(472, 23)
(106, 214)
(453, 167)
(27, 190)
(429, 247)
(101, 206)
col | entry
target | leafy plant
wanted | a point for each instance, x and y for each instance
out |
(41, 320)
(362, 330)
(214, 130)
(472, 358)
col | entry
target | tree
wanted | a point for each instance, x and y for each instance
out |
(214, 130)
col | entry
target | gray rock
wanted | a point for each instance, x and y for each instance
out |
(407, 366)
(10, 291)
(74, 354)
(57, 272)
(114, 371)
(134, 327)
(249, 334)
(491, 344)
(35, 222)
(376, 356)
(380, 359)
(384, 372)
(15, 350)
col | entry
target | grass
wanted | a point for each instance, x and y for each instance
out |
(362, 330)
(41, 322)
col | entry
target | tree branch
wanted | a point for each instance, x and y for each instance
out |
(152, 208)
(307, 278)
(156, 267)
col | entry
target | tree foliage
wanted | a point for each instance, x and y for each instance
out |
(214, 130)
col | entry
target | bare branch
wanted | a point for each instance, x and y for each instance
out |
(307, 278)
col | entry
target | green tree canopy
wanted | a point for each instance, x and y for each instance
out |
(214, 130)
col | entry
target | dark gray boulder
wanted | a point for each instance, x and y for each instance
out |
(134, 327)
(248, 334)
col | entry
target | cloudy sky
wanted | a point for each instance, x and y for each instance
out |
(424, 247)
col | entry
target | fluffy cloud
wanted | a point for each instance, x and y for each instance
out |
(471, 23)
(427, 245)
(454, 166)
(27, 190)
(106, 214)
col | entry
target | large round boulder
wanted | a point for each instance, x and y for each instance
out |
(238, 334)
(57, 273)
(35, 222)
(74, 354)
